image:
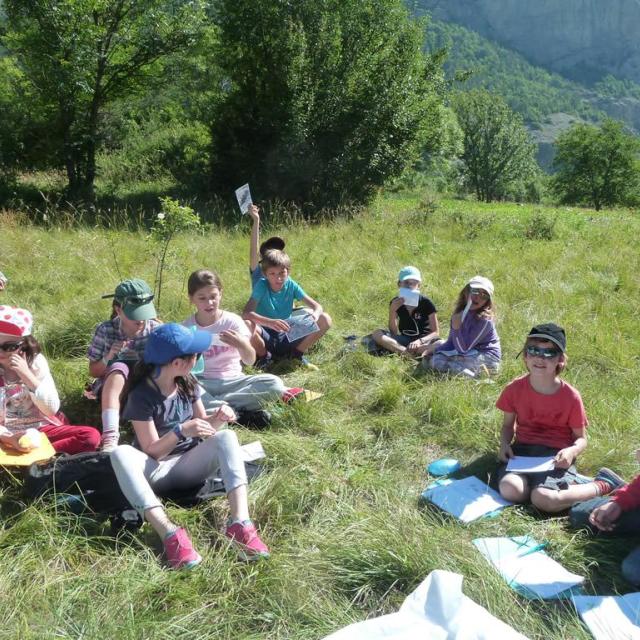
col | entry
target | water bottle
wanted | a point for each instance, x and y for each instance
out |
(351, 343)
(198, 367)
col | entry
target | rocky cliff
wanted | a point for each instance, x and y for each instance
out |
(581, 39)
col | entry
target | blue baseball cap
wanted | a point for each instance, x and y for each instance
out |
(409, 273)
(171, 340)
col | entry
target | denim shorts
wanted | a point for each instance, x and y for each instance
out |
(556, 479)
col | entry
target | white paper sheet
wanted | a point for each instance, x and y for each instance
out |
(436, 610)
(530, 464)
(610, 617)
(526, 567)
(467, 499)
(243, 194)
(252, 451)
(301, 324)
(411, 297)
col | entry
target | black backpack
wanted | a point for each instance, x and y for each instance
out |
(87, 481)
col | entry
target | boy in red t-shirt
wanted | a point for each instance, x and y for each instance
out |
(547, 418)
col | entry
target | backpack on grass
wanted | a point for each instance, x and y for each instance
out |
(87, 481)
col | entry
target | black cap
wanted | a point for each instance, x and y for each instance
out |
(551, 332)
(274, 242)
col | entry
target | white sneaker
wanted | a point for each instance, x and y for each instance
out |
(109, 441)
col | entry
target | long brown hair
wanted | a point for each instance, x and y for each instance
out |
(488, 310)
(143, 370)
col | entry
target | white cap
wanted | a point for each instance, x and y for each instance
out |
(480, 282)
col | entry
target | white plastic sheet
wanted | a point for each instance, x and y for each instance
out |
(436, 610)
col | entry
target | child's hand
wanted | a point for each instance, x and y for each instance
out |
(12, 441)
(232, 338)
(18, 364)
(396, 303)
(197, 428)
(116, 348)
(279, 325)
(564, 458)
(415, 345)
(604, 516)
(506, 452)
(254, 212)
(224, 414)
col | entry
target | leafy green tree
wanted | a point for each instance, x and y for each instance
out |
(596, 165)
(497, 148)
(81, 54)
(323, 100)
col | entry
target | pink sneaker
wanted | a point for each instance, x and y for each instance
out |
(179, 550)
(291, 394)
(244, 537)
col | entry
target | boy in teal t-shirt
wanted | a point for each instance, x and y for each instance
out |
(270, 306)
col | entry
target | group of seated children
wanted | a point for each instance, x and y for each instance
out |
(178, 411)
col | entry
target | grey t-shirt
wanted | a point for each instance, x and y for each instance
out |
(145, 402)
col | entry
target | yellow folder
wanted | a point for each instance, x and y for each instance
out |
(12, 458)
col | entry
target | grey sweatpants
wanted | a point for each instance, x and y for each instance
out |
(243, 392)
(139, 475)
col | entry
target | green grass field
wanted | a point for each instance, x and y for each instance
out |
(339, 507)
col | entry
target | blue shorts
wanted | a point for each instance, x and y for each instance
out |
(400, 338)
(277, 343)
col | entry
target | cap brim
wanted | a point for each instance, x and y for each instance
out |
(544, 336)
(140, 311)
(201, 341)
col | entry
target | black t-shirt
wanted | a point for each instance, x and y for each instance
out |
(416, 323)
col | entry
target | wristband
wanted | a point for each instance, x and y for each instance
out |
(177, 430)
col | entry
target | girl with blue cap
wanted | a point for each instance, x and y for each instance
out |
(177, 446)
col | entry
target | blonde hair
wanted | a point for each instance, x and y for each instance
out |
(275, 258)
(488, 310)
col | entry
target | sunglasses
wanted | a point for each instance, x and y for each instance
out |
(543, 352)
(138, 299)
(10, 347)
(480, 293)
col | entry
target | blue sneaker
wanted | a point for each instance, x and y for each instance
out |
(304, 361)
(611, 478)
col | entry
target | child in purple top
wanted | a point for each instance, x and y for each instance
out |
(473, 345)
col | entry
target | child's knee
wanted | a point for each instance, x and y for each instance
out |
(226, 438)
(514, 488)
(546, 500)
(324, 321)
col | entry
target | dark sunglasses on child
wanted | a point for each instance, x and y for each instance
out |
(480, 293)
(143, 299)
(543, 352)
(10, 347)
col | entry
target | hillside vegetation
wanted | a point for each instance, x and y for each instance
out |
(339, 505)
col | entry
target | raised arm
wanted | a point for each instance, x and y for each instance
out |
(254, 243)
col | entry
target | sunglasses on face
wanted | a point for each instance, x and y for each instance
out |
(10, 347)
(480, 293)
(543, 352)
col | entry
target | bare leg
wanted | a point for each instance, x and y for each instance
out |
(387, 342)
(238, 503)
(256, 340)
(514, 487)
(553, 501)
(111, 391)
(157, 517)
(324, 324)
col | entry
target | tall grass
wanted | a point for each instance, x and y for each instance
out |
(339, 506)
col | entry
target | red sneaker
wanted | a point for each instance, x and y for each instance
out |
(179, 550)
(292, 394)
(244, 537)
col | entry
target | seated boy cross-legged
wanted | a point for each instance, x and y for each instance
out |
(547, 418)
(270, 306)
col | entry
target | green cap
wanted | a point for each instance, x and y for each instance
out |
(136, 299)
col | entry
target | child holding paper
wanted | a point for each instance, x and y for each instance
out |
(618, 514)
(257, 250)
(270, 307)
(473, 345)
(223, 378)
(413, 323)
(544, 417)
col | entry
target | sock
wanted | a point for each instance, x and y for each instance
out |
(603, 487)
(111, 420)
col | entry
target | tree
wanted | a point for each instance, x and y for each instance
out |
(323, 100)
(596, 165)
(81, 54)
(497, 147)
